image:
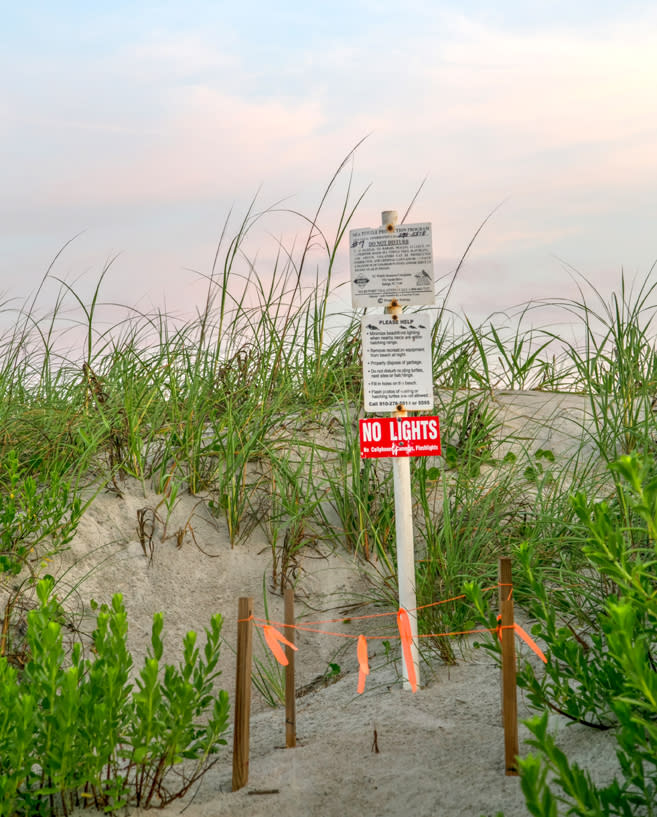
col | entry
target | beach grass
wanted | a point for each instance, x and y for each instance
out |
(253, 405)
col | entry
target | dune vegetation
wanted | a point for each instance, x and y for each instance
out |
(233, 406)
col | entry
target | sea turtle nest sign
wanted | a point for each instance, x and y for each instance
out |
(386, 264)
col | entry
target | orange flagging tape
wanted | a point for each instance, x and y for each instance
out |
(529, 641)
(404, 624)
(349, 619)
(265, 623)
(274, 639)
(363, 663)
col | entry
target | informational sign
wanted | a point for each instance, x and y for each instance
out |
(400, 437)
(397, 362)
(392, 264)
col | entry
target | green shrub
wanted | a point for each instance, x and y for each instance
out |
(606, 674)
(76, 729)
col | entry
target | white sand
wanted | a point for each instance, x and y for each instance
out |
(441, 749)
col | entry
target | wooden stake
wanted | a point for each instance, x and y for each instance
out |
(290, 687)
(509, 695)
(242, 693)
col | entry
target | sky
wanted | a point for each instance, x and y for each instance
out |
(134, 130)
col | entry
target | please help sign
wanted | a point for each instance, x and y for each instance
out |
(399, 437)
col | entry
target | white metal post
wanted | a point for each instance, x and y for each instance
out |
(401, 470)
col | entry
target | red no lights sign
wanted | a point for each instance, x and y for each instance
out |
(400, 437)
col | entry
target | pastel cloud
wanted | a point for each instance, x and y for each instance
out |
(492, 101)
(560, 122)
